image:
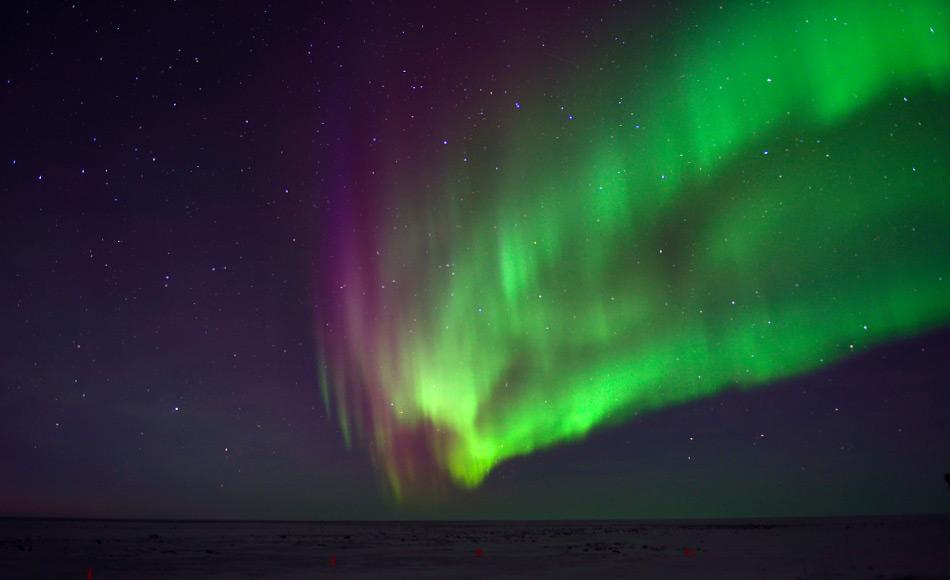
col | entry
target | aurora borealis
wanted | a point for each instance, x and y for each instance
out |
(762, 195)
(440, 260)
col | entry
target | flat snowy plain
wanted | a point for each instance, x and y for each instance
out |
(873, 547)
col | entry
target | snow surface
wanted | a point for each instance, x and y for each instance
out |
(880, 547)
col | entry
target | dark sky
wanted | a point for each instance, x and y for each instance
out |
(166, 178)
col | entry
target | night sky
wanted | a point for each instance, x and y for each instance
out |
(474, 260)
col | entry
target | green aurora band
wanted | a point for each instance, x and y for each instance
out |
(766, 197)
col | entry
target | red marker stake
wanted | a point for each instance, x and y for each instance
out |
(333, 561)
(479, 552)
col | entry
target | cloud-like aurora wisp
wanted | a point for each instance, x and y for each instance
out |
(769, 196)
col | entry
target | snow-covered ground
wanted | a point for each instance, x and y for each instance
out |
(883, 547)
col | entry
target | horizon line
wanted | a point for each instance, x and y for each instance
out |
(945, 514)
